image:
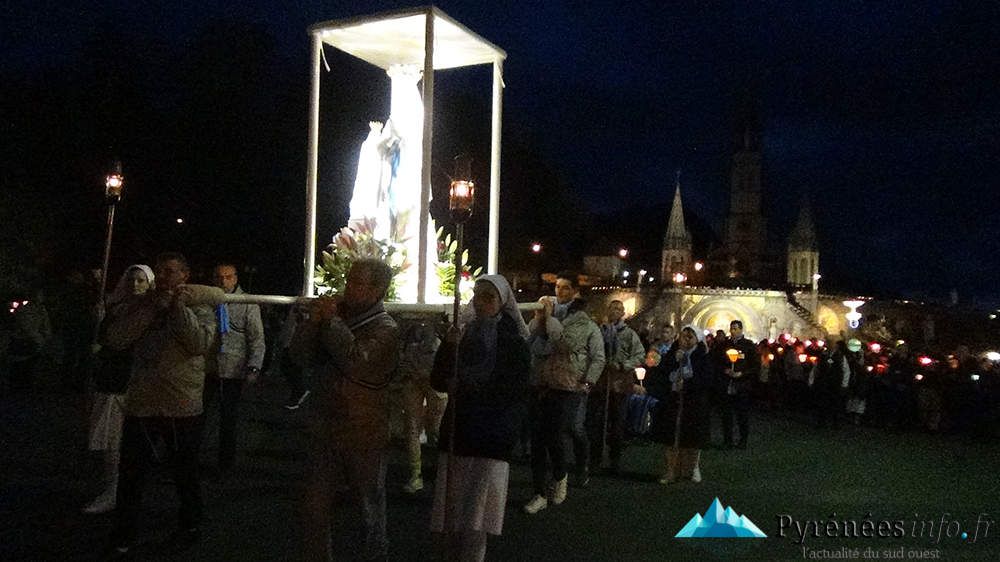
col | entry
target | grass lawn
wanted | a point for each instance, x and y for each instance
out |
(789, 468)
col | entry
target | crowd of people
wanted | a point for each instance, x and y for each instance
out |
(564, 389)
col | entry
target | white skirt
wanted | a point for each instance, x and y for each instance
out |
(478, 494)
(106, 420)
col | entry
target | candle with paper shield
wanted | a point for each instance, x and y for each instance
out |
(640, 373)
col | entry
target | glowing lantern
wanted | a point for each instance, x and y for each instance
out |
(640, 373)
(993, 356)
(875, 347)
(854, 345)
(536, 247)
(623, 253)
(114, 183)
(770, 357)
(733, 355)
(869, 368)
(698, 266)
(918, 377)
(460, 197)
(975, 377)
(820, 343)
(803, 358)
(924, 360)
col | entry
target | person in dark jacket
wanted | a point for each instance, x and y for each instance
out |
(681, 383)
(739, 365)
(486, 405)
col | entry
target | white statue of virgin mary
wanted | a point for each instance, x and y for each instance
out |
(387, 187)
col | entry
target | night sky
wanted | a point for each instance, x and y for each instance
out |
(886, 117)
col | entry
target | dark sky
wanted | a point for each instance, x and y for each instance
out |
(886, 116)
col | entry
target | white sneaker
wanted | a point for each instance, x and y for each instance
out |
(559, 491)
(536, 504)
(696, 474)
(414, 485)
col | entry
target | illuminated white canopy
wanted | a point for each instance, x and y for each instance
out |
(397, 37)
(427, 38)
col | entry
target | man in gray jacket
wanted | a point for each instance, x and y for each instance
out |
(237, 360)
(568, 355)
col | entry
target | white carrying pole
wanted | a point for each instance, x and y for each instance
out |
(444, 308)
(494, 235)
(309, 260)
(425, 168)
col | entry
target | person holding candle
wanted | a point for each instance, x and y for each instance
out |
(739, 365)
(681, 383)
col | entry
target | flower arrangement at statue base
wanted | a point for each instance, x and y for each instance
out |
(357, 241)
(446, 268)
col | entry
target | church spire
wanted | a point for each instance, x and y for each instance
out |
(677, 233)
(677, 243)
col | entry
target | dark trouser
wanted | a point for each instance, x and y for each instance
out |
(555, 412)
(615, 426)
(228, 392)
(738, 404)
(292, 374)
(578, 431)
(363, 473)
(139, 448)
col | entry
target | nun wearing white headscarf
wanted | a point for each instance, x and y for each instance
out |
(681, 382)
(488, 406)
(110, 379)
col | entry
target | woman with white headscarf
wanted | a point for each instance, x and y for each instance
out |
(681, 382)
(482, 420)
(110, 378)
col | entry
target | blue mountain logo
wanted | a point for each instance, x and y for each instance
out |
(720, 522)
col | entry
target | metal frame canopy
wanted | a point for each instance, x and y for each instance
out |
(423, 36)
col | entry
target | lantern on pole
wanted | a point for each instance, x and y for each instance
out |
(114, 184)
(461, 195)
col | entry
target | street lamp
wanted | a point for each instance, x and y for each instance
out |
(114, 184)
(853, 317)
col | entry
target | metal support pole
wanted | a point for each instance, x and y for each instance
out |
(107, 252)
(309, 260)
(453, 383)
(425, 168)
(494, 234)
